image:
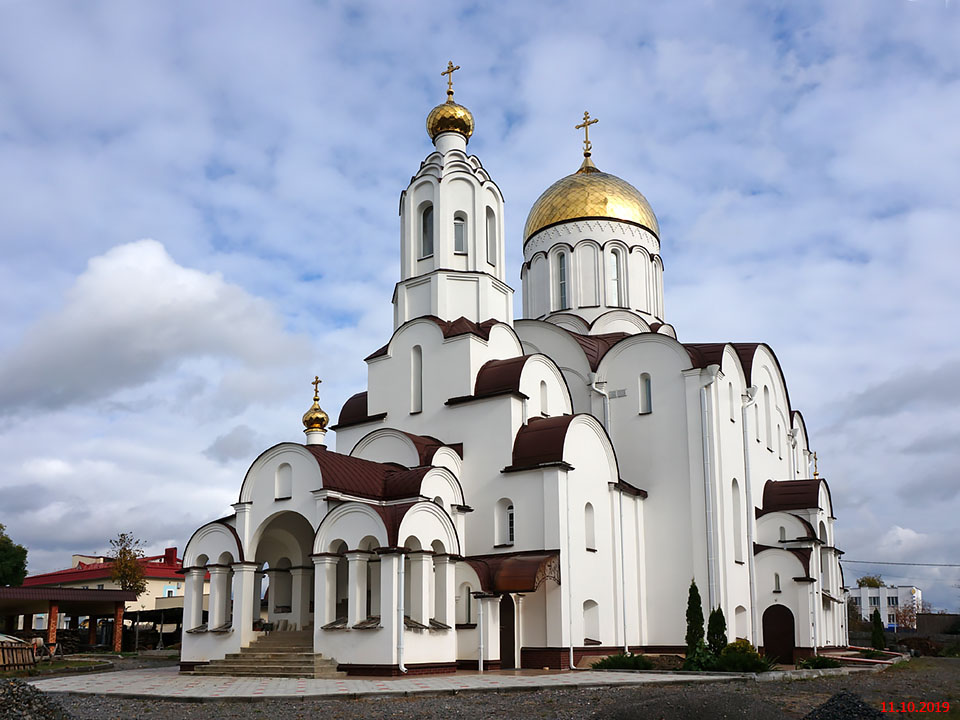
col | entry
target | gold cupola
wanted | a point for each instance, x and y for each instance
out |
(315, 420)
(590, 194)
(450, 116)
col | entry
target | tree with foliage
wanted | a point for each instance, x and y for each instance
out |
(694, 618)
(877, 639)
(13, 561)
(716, 631)
(871, 581)
(127, 572)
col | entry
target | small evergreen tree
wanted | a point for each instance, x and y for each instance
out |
(876, 632)
(716, 631)
(694, 619)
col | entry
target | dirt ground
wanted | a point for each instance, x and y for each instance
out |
(930, 679)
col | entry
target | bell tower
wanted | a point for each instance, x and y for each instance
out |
(451, 229)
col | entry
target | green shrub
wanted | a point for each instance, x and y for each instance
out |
(741, 656)
(623, 661)
(700, 658)
(877, 640)
(818, 662)
(716, 631)
(871, 654)
(694, 619)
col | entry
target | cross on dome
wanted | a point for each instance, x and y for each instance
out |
(451, 68)
(585, 126)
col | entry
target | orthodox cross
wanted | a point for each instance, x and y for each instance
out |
(816, 470)
(316, 387)
(585, 126)
(451, 68)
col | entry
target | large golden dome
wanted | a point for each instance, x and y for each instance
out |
(450, 117)
(589, 193)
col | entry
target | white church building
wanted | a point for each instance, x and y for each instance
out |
(524, 492)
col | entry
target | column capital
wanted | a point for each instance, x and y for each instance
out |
(218, 570)
(245, 566)
(356, 555)
(325, 559)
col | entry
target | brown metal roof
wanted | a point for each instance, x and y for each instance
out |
(449, 328)
(596, 346)
(515, 572)
(427, 446)
(364, 478)
(354, 412)
(392, 516)
(540, 442)
(500, 376)
(780, 495)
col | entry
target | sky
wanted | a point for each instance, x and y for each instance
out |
(198, 213)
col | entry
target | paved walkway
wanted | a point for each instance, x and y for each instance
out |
(168, 683)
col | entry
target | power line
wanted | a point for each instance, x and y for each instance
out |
(878, 562)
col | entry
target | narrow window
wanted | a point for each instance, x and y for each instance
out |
(416, 379)
(426, 231)
(733, 417)
(756, 419)
(460, 235)
(510, 527)
(783, 534)
(768, 417)
(491, 237)
(562, 281)
(779, 442)
(590, 534)
(737, 524)
(544, 410)
(467, 609)
(646, 394)
(776, 582)
(283, 482)
(615, 261)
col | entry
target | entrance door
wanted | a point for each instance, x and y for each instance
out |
(507, 634)
(778, 638)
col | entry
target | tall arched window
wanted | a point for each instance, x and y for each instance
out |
(491, 237)
(426, 231)
(283, 482)
(460, 234)
(776, 582)
(783, 534)
(733, 417)
(756, 419)
(544, 409)
(504, 522)
(646, 394)
(510, 525)
(562, 282)
(416, 379)
(591, 622)
(737, 523)
(590, 531)
(779, 442)
(768, 417)
(615, 274)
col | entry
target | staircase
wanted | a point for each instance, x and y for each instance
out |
(279, 654)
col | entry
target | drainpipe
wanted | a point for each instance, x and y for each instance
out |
(606, 402)
(569, 575)
(748, 399)
(707, 433)
(400, 615)
(480, 632)
(623, 581)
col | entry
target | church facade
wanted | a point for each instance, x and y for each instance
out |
(521, 493)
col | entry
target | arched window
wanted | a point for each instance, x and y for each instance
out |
(426, 231)
(733, 416)
(283, 482)
(756, 419)
(776, 582)
(416, 379)
(504, 522)
(737, 523)
(510, 524)
(465, 605)
(768, 417)
(590, 532)
(544, 408)
(460, 234)
(491, 237)
(591, 622)
(615, 275)
(562, 282)
(783, 534)
(779, 442)
(645, 393)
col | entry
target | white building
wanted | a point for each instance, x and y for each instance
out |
(528, 491)
(887, 599)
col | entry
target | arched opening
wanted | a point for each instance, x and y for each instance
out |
(460, 233)
(591, 623)
(544, 407)
(776, 582)
(342, 592)
(416, 379)
(465, 610)
(778, 634)
(504, 522)
(491, 237)
(768, 418)
(779, 442)
(737, 522)
(740, 622)
(645, 393)
(508, 640)
(283, 482)
(221, 592)
(284, 542)
(371, 577)
(824, 559)
(590, 531)
(562, 303)
(783, 534)
(616, 295)
(440, 580)
(426, 230)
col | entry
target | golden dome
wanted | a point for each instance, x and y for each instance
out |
(450, 117)
(315, 418)
(589, 193)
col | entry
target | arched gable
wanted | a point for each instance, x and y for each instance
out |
(619, 321)
(428, 522)
(440, 482)
(640, 341)
(275, 455)
(385, 445)
(211, 540)
(351, 523)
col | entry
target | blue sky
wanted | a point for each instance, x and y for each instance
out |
(200, 213)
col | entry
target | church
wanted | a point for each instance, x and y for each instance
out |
(524, 492)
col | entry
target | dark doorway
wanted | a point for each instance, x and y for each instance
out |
(507, 635)
(778, 638)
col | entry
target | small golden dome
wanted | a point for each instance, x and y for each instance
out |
(450, 117)
(589, 193)
(315, 418)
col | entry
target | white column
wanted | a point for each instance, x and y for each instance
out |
(518, 632)
(356, 587)
(219, 596)
(272, 574)
(300, 595)
(324, 589)
(373, 578)
(193, 598)
(444, 607)
(421, 564)
(389, 598)
(257, 594)
(243, 601)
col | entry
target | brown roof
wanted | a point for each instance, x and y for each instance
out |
(596, 346)
(364, 478)
(449, 328)
(540, 442)
(515, 572)
(427, 446)
(499, 376)
(780, 495)
(704, 354)
(392, 516)
(354, 412)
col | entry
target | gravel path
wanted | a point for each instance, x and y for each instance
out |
(920, 679)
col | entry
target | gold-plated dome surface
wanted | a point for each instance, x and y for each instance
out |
(589, 193)
(315, 418)
(450, 117)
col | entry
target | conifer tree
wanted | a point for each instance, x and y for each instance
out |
(876, 632)
(716, 631)
(694, 618)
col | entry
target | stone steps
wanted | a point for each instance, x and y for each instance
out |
(280, 654)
